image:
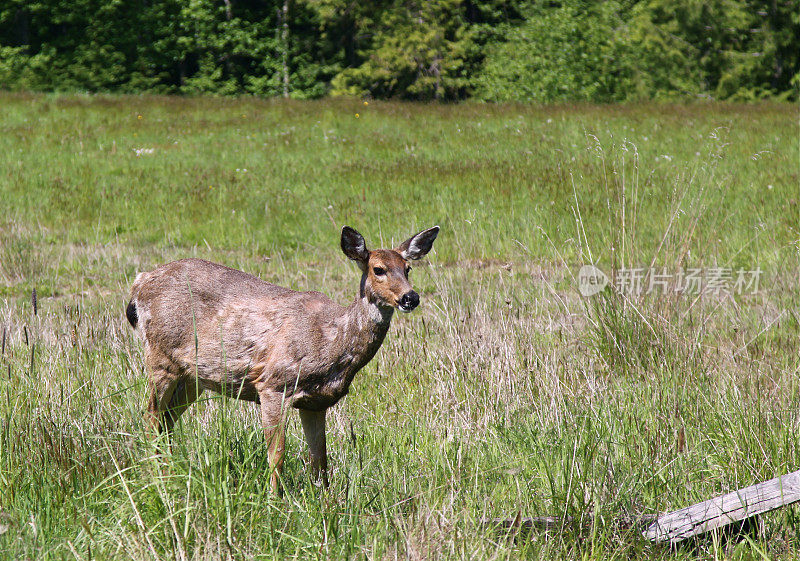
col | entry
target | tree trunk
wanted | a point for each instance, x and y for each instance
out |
(437, 72)
(777, 71)
(285, 46)
(228, 18)
(22, 24)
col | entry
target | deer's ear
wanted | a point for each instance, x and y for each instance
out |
(354, 246)
(418, 246)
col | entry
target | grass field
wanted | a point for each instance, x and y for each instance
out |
(506, 392)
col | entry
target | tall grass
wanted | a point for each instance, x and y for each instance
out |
(505, 393)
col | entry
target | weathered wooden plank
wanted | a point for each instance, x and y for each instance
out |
(726, 509)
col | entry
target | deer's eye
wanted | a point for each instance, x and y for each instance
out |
(379, 271)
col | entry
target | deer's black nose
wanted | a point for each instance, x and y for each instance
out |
(409, 301)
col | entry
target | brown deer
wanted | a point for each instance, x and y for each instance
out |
(206, 326)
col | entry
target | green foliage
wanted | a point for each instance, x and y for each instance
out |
(729, 49)
(769, 59)
(438, 49)
(418, 52)
(171, 46)
(575, 51)
(683, 43)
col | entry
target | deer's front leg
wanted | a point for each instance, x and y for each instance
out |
(314, 429)
(273, 419)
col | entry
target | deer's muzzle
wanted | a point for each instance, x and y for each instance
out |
(408, 301)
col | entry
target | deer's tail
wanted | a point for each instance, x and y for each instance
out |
(130, 312)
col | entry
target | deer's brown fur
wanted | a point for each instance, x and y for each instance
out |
(209, 327)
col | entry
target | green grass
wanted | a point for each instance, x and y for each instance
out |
(505, 392)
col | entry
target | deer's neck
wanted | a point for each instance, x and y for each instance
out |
(365, 329)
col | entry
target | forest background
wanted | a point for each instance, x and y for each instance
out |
(500, 50)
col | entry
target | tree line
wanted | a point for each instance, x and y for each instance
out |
(498, 50)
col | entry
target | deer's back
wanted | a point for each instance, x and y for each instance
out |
(194, 313)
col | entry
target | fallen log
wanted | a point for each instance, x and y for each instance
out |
(726, 509)
(676, 526)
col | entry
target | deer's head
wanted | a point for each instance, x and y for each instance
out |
(385, 271)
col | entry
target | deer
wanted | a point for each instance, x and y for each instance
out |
(205, 326)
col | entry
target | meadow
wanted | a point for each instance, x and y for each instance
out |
(506, 392)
